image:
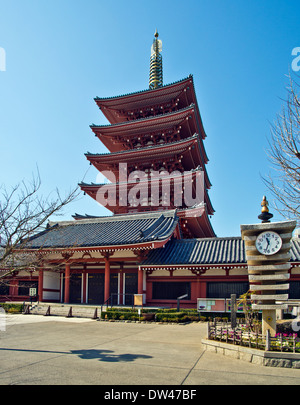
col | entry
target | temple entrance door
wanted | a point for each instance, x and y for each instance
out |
(131, 287)
(114, 285)
(95, 288)
(75, 288)
(24, 287)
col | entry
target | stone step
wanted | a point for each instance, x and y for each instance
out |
(64, 310)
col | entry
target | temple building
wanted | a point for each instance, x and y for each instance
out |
(158, 240)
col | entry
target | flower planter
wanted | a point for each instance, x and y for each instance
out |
(148, 316)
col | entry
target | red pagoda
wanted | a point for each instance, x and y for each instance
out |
(153, 134)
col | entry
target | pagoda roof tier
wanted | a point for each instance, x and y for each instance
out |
(160, 129)
(195, 223)
(148, 102)
(140, 231)
(115, 196)
(179, 155)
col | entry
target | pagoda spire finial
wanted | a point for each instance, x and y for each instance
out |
(156, 70)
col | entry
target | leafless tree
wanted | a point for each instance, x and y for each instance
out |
(284, 155)
(23, 213)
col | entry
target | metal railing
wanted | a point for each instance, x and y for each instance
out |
(243, 336)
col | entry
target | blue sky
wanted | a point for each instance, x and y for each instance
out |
(60, 54)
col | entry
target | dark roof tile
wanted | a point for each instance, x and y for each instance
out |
(106, 231)
(207, 251)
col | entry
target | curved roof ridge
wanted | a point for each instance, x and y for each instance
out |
(115, 218)
(164, 145)
(121, 231)
(176, 175)
(144, 91)
(152, 227)
(152, 117)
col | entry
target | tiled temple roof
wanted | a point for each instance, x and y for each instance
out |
(229, 250)
(107, 231)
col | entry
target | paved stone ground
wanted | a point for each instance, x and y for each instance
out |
(40, 350)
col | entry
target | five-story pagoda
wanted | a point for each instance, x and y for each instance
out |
(155, 138)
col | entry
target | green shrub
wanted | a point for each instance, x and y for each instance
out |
(121, 310)
(190, 318)
(167, 310)
(120, 315)
(14, 311)
(169, 316)
(12, 308)
(161, 315)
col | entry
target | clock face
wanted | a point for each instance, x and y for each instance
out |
(268, 243)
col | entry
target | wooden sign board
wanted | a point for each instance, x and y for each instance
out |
(211, 305)
(138, 300)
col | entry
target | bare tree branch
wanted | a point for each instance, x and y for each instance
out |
(23, 213)
(284, 155)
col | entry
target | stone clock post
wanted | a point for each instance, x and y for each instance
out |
(267, 248)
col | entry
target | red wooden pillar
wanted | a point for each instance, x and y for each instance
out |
(84, 287)
(121, 292)
(140, 255)
(40, 284)
(203, 289)
(106, 278)
(67, 283)
(13, 288)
